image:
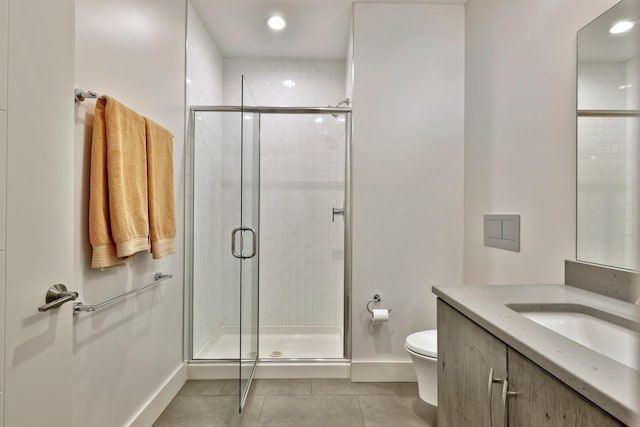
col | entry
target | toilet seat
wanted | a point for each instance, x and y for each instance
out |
(424, 343)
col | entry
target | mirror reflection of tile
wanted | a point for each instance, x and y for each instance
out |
(608, 199)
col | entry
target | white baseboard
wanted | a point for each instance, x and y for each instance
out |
(382, 371)
(161, 399)
(212, 371)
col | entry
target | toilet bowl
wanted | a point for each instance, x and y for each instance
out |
(423, 349)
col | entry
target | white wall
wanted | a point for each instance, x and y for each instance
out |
(408, 103)
(204, 87)
(348, 82)
(135, 52)
(520, 134)
(4, 33)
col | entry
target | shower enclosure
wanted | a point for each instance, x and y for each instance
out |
(268, 247)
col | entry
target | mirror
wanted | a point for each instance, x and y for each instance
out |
(608, 152)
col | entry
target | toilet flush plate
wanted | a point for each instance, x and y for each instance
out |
(502, 231)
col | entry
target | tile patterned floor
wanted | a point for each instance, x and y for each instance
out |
(299, 403)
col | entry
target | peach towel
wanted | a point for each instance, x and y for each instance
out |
(120, 172)
(162, 216)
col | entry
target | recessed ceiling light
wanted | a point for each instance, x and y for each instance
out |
(319, 120)
(289, 83)
(621, 27)
(276, 22)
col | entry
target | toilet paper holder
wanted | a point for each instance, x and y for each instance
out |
(376, 299)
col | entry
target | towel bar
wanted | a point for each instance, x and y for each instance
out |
(78, 307)
(81, 95)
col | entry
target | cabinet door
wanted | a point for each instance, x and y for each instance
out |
(543, 401)
(466, 353)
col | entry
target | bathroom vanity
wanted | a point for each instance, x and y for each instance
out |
(498, 367)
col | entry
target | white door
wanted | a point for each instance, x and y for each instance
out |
(39, 178)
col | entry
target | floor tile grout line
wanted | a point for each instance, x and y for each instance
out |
(361, 411)
(260, 413)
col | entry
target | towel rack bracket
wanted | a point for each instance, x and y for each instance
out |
(81, 95)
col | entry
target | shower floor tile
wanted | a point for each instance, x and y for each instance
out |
(299, 403)
(279, 342)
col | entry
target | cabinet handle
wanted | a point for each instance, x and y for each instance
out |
(505, 395)
(492, 381)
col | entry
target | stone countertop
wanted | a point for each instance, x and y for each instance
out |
(609, 384)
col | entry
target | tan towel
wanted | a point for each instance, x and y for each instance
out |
(104, 249)
(162, 216)
(127, 178)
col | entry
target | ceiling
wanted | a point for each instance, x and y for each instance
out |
(315, 28)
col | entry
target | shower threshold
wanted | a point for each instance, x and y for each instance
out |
(271, 369)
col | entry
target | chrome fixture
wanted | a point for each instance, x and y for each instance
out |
(270, 110)
(376, 299)
(81, 95)
(346, 102)
(233, 242)
(56, 296)
(336, 211)
(505, 394)
(608, 113)
(78, 307)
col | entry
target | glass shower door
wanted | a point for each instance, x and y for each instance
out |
(250, 214)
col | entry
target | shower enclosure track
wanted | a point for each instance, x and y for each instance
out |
(270, 110)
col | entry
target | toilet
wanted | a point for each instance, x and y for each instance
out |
(423, 349)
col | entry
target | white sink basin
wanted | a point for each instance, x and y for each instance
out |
(609, 339)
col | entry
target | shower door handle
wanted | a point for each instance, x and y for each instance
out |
(254, 244)
(233, 243)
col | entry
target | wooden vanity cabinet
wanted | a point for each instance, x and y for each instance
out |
(542, 400)
(468, 355)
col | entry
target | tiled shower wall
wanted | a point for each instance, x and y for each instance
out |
(302, 260)
(318, 83)
(606, 198)
(302, 179)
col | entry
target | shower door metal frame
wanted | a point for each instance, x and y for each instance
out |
(347, 222)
